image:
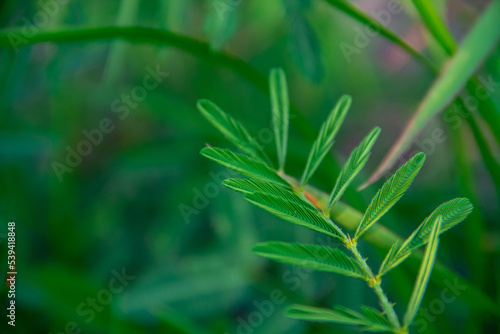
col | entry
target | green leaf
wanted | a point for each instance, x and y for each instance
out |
(368, 321)
(247, 186)
(475, 47)
(244, 165)
(353, 166)
(423, 274)
(306, 48)
(297, 214)
(304, 312)
(232, 130)
(392, 190)
(452, 213)
(281, 110)
(311, 256)
(435, 24)
(326, 137)
(379, 323)
(389, 259)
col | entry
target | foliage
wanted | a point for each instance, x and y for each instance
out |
(296, 206)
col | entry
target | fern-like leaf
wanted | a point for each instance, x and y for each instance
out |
(316, 257)
(424, 273)
(232, 130)
(392, 190)
(243, 164)
(280, 112)
(326, 137)
(379, 323)
(353, 166)
(452, 213)
(387, 264)
(247, 186)
(339, 315)
(297, 214)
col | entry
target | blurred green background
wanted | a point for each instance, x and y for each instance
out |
(143, 202)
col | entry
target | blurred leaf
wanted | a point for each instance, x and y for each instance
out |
(347, 8)
(306, 48)
(280, 111)
(311, 256)
(483, 36)
(221, 22)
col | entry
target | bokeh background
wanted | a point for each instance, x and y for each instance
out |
(145, 203)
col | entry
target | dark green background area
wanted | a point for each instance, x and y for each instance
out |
(144, 201)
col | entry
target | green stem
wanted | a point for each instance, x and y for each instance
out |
(375, 284)
(384, 238)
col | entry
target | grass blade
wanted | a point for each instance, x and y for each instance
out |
(244, 165)
(435, 24)
(353, 166)
(424, 274)
(326, 137)
(232, 130)
(366, 20)
(316, 257)
(280, 110)
(461, 67)
(296, 214)
(392, 190)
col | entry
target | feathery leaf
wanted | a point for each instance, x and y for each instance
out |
(452, 213)
(379, 323)
(281, 110)
(392, 190)
(247, 186)
(297, 214)
(232, 130)
(389, 259)
(339, 315)
(243, 164)
(311, 256)
(424, 273)
(326, 137)
(353, 166)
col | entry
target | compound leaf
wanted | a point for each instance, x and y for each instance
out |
(243, 164)
(452, 213)
(424, 273)
(232, 130)
(392, 190)
(247, 186)
(326, 137)
(311, 256)
(295, 213)
(353, 166)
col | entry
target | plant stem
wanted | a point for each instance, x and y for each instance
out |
(375, 284)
